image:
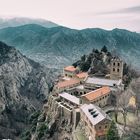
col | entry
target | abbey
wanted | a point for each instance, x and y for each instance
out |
(80, 99)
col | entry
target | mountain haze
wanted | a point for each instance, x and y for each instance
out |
(61, 46)
(18, 21)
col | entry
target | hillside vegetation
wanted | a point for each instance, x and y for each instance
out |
(97, 63)
(62, 46)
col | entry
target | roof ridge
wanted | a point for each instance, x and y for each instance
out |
(94, 90)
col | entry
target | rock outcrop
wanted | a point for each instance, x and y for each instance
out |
(23, 88)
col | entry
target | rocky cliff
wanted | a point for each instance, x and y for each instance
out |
(23, 88)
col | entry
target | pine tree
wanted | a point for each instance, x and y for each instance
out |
(112, 133)
(83, 58)
(104, 49)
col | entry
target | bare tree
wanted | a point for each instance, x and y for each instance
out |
(122, 100)
(123, 104)
(133, 132)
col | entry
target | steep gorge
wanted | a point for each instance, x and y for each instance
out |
(23, 89)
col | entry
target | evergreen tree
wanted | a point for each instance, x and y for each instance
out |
(112, 133)
(93, 50)
(104, 49)
(85, 66)
(96, 51)
(83, 58)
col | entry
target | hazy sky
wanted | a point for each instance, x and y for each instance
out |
(79, 14)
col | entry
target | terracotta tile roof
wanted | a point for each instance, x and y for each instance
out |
(82, 75)
(97, 93)
(70, 68)
(67, 83)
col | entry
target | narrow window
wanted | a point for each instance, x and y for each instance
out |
(113, 69)
(114, 85)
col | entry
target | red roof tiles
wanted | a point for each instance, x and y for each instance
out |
(82, 75)
(67, 83)
(70, 68)
(97, 93)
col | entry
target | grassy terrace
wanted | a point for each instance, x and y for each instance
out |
(130, 118)
(79, 136)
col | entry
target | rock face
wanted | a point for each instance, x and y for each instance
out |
(23, 88)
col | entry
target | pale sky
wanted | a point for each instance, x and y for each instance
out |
(79, 14)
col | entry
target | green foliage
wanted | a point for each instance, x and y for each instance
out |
(40, 135)
(34, 117)
(84, 66)
(49, 117)
(94, 61)
(96, 51)
(104, 49)
(83, 58)
(42, 129)
(26, 135)
(33, 128)
(41, 118)
(112, 133)
(76, 63)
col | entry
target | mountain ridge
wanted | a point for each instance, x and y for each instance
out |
(18, 21)
(62, 46)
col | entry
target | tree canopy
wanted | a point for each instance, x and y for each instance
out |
(104, 49)
(112, 133)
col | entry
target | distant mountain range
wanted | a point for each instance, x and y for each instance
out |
(17, 21)
(59, 46)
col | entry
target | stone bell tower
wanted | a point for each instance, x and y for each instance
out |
(116, 69)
